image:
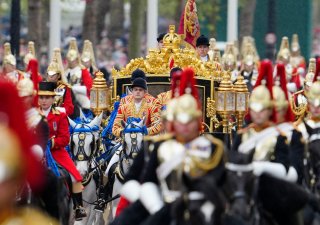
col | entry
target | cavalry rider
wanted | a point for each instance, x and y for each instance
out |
(88, 59)
(202, 48)
(297, 60)
(175, 159)
(229, 61)
(249, 66)
(293, 78)
(78, 76)
(18, 163)
(63, 98)
(10, 71)
(60, 137)
(138, 107)
(261, 136)
(284, 119)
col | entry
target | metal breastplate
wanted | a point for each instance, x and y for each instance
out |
(264, 149)
(74, 76)
(177, 159)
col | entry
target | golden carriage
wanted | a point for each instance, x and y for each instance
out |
(220, 99)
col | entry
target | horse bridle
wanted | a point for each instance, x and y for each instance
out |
(81, 154)
(133, 151)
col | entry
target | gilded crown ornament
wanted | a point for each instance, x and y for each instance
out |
(157, 63)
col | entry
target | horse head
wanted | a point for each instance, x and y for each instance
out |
(133, 132)
(84, 141)
(240, 186)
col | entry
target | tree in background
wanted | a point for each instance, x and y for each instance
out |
(246, 17)
(137, 19)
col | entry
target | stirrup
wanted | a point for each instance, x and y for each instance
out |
(80, 213)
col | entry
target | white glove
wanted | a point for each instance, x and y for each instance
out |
(276, 170)
(150, 197)
(131, 190)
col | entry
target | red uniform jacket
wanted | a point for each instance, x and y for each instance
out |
(59, 133)
(86, 80)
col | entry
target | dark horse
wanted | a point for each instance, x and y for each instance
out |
(312, 174)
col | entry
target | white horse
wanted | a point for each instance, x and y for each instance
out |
(83, 146)
(123, 158)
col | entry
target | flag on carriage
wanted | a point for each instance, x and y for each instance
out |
(189, 24)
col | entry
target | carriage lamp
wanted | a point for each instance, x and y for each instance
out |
(99, 94)
(242, 99)
(225, 101)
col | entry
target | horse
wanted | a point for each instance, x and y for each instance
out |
(85, 136)
(311, 173)
(132, 137)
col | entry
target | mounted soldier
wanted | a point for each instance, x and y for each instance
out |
(55, 73)
(60, 137)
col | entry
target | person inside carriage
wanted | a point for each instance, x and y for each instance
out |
(63, 98)
(59, 138)
(129, 97)
(138, 107)
(174, 162)
(202, 47)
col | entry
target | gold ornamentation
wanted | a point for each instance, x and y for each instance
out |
(158, 62)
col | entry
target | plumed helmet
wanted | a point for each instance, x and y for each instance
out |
(228, 58)
(187, 106)
(284, 52)
(279, 97)
(202, 40)
(25, 87)
(31, 54)
(311, 72)
(16, 157)
(261, 96)
(313, 94)
(139, 82)
(8, 57)
(295, 46)
(73, 52)
(260, 99)
(138, 73)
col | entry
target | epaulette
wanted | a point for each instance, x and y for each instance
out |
(62, 84)
(54, 111)
(157, 138)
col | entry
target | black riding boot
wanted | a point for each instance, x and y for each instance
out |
(78, 206)
(101, 202)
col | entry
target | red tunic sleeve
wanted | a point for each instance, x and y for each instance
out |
(62, 137)
(87, 80)
(67, 102)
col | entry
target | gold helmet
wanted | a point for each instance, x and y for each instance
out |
(313, 94)
(212, 46)
(25, 87)
(186, 109)
(31, 53)
(10, 155)
(249, 40)
(260, 99)
(228, 58)
(279, 98)
(248, 56)
(311, 72)
(8, 57)
(295, 47)
(284, 52)
(216, 57)
(73, 52)
(53, 68)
